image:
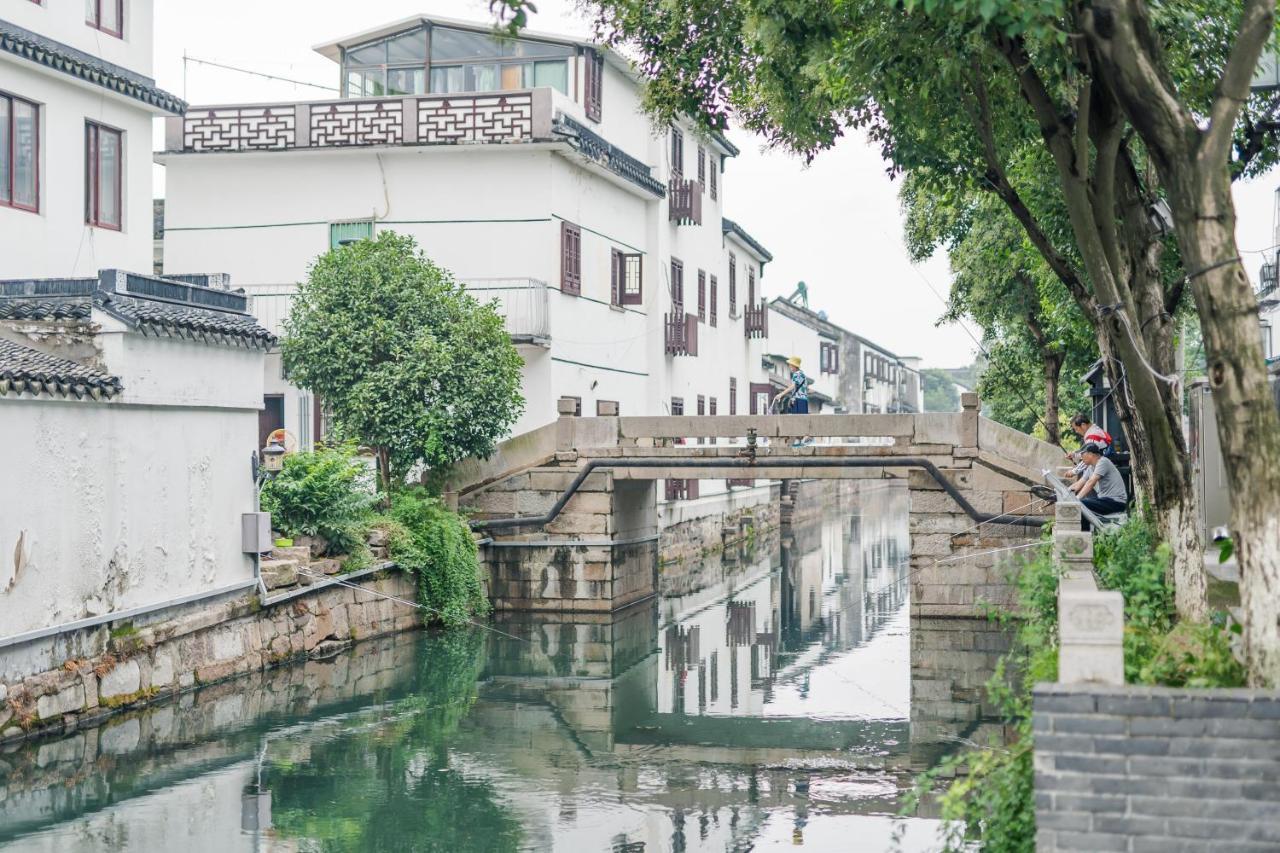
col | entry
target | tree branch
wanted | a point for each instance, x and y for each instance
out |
(1257, 21)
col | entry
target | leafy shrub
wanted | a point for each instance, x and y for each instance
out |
(1193, 654)
(326, 493)
(435, 544)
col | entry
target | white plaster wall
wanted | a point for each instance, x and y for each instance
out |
(56, 242)
(107, 506)
(171, 372)
(64, 22)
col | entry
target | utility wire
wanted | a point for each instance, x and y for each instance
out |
(186, 59)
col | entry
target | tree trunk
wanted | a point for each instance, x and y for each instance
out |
(1052, 374)
(1248, 425)
(383, 456)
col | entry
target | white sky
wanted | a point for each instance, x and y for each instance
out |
(835, 225)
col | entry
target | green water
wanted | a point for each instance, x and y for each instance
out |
(768, 700)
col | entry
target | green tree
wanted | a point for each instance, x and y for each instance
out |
(405, 359)
(940, 394)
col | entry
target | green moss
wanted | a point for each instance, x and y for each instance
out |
(123, 630)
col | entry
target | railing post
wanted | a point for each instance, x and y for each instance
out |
(409, 121)
(1090, 620)
(174, 133)
(566, 407)
(302, 126)
(970, 406)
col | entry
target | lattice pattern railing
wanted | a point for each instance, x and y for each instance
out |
(358, 123)
(240, 128)
(505, 117)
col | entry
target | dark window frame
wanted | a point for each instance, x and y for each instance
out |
(751, 285)
(570, 258)
(733, 285)
(677, 284)
(677, 405)
(12, 132)
(715, 287)
(615, 402)
(715, 170)
(593, 85)
(702, 296)
(93, 183)
(677, 153)
(733, 395)
(702, 167)
(96, 21)
(620, 266)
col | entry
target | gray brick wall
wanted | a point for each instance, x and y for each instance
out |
(1141, 769)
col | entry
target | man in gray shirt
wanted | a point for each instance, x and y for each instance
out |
(1101, 486)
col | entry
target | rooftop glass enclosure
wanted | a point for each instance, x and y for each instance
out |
(441, 59)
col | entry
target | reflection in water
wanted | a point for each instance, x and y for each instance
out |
(783, 704)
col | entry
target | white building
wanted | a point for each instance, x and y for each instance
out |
(1269, 294)
(76, 107)
(128, 403)
(525, 167)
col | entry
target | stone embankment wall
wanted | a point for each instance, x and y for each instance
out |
(1156, 769)
(132, 665)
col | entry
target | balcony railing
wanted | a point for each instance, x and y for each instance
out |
(523, 304)
(270, 305)
(517, 116)
(1267, 279)
(755, 320)
(681, 333)
(684, 200)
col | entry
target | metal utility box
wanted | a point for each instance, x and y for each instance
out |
(255, 532)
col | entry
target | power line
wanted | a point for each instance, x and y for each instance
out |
(186, 59)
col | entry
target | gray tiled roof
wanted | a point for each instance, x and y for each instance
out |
(25, 370)
(60, 57)
(728, 226)
(150, 305)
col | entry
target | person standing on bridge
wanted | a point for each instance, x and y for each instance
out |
(797, 393)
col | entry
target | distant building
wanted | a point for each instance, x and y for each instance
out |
(1269, 293)
(862, 376)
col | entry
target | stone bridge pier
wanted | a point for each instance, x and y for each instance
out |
(595, 549)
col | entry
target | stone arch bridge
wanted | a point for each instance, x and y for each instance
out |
(568, 512)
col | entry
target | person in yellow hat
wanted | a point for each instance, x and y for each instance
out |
(797, 391)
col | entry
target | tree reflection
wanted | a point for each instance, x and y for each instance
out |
(384, 782)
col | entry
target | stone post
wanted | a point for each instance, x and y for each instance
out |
(970, 406)
(1090, 620)
(567, 407)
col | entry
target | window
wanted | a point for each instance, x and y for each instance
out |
(702, 296)
(105, 15)
(459, 61)
(714, 288)
(733, 395)
(104, 174)
(570, 258)
(711, 406)
(715, 168)
(342, 233)
(677, 285)
(733, 285)
(594, 88)
(677, 405)
(19, 153)
(829, 358)
(677, 153)
(702, 411)
(702, 167)
(751, 285)
(625, 279)
(607, 408)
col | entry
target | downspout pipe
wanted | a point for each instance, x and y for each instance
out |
(748, 465)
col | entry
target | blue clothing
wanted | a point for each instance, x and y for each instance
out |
(800, 407)
(802, 385)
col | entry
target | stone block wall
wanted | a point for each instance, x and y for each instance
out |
(1156, 769)
(203, 644)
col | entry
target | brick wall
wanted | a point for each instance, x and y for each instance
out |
(1156, 769)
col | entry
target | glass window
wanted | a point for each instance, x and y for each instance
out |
(449, 79)
(26, 135)
(484, 78)
(406, 81)
(104, 173)
(449, 44)
(408, 49)
(6, 151)
(554, 74)
(374, 54)
(105, 15)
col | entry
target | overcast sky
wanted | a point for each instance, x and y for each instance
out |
(835, 225)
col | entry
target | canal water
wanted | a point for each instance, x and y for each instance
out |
(775, 696)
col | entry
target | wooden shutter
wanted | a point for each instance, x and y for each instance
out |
(632, 281)
(570, 258)
(751, 285)
(691, 489)
(617, 274)
(702, 295)
(593, 96)
(713, 300)
(690, 334)
(733, 284)
(677, 284)
(715, 169)
(677, 153)
(702, 167)
(733, 395)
